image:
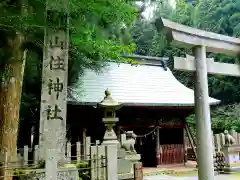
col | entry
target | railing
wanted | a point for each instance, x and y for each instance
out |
(92, 164)
(172, 154)
(218, 142)
(28, 155)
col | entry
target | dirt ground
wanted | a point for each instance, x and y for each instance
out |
(191, 177)
(181, 172)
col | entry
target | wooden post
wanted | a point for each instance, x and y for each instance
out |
(203, 121)
(217, 142)
(79, 157)
(36, 154)
(101, 171)
(88, 145)
(238, 142)
(222, 140)
(97, 142)
(157, 147)
(93, 158)
(213, 141)
(235, 135)
(69, 152)
(123, 138)
(138, 171)
(184, 147)
(193, 144)
(118, 133)
(25, 155)
(84, 135)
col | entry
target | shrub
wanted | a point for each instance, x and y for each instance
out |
(83, 170)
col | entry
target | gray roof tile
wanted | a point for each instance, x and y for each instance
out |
(142, 85)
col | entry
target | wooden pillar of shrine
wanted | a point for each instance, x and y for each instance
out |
(158, 155)
(184, 144)
(118, 132)
(84, 135)
(158, 151)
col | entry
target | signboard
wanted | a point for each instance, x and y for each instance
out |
(54, 84)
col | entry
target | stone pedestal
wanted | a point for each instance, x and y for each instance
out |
(232, 159)
(126, 161)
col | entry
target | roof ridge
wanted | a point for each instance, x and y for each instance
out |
(150, 60)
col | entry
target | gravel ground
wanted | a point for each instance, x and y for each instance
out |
(165, 177)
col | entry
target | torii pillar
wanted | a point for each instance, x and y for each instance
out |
(201, 42)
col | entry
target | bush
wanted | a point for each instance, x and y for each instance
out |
(19, 174)
(83, 170)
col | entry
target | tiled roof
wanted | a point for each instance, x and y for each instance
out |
(141, 85)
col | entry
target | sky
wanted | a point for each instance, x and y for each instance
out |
(148, 13)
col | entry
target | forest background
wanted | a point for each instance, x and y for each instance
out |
(219, 16)
(97, 35)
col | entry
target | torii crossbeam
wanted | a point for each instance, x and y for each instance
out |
(201, 42)
(188, 64)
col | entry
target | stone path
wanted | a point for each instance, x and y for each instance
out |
(165, 177)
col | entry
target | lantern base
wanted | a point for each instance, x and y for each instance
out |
(110, 138)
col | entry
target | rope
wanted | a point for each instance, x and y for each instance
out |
(143, 135)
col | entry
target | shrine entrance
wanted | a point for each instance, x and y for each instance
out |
(148, 154)
(171, 143)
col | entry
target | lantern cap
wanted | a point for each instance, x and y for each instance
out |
(108, 101)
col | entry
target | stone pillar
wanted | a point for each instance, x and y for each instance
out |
(51, 164)
(111, 161)
(53, 109)
(203, 121)
(157, 147)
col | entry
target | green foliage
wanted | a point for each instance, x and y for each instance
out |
(40, 164)
(18, 171)
(204, 15)
(225, 117)
(212, 15)
(19, 174)
(99, 32)
(83, 170)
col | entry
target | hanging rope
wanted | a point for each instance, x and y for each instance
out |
(143, 135)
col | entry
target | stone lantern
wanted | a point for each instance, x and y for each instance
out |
(110, 106)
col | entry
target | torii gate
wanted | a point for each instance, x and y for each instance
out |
(201, 42)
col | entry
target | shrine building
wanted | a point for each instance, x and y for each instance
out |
(154, 104)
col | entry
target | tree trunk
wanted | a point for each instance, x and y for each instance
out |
(10, 97)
